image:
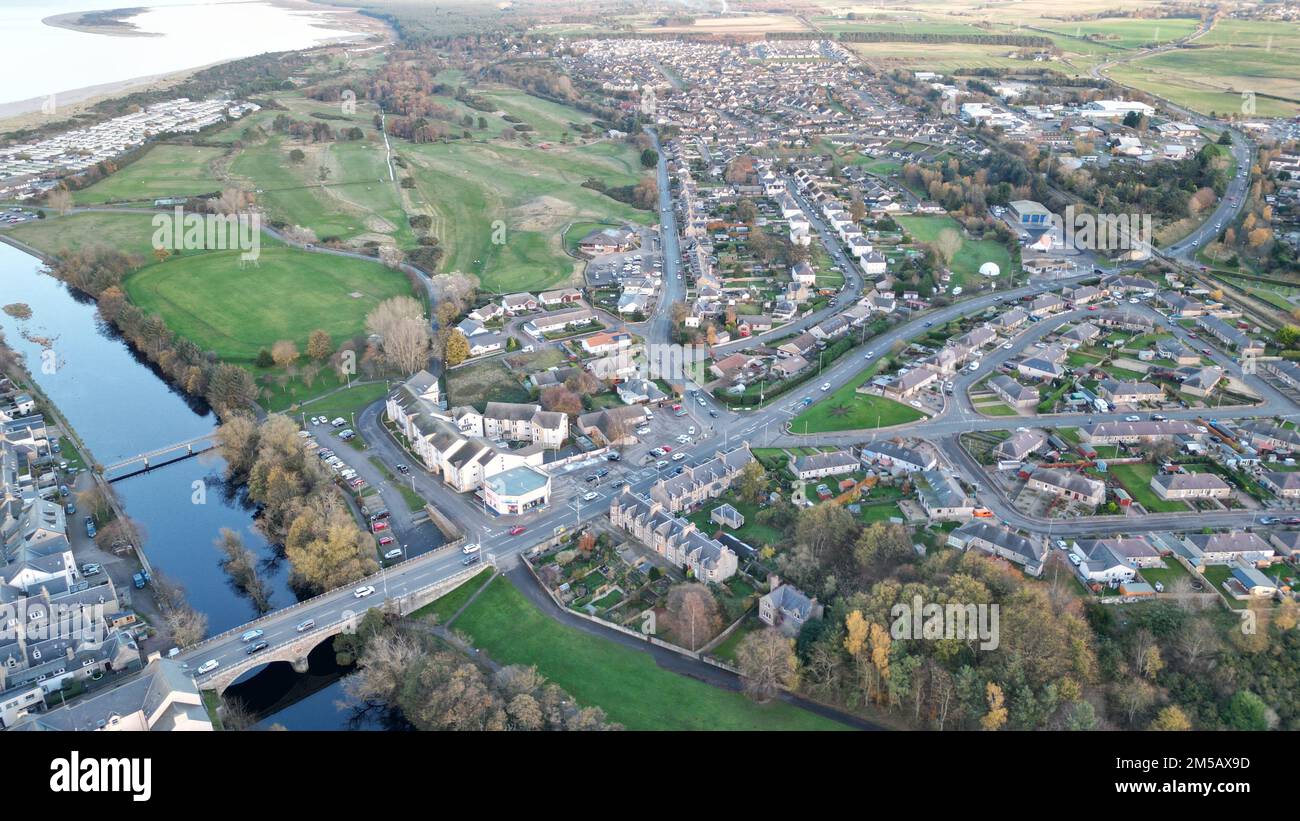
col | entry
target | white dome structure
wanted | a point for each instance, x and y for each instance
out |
(990, 269)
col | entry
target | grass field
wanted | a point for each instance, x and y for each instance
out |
(346, 401)
(973, 253)
(54, 235)
(549, 120)
(444, 607)
(481, 382)
(164, 171)
(236, 311)
(500, 210)
(846, 409)
(1129, 33)
(625, 683)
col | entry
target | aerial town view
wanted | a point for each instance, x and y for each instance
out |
(806, 365)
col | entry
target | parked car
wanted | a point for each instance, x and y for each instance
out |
(395, 553)
(386, 540)
(91, 569)
(677, 457)
(826, 386)
(375, 527)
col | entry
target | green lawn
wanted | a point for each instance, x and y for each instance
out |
(631, 688)
(445, 606)
(346, 401)
(973, 253)
(164, 171)
(846, 409)
(54, 235)
(1136, 479)
(752, 533)
(236, 311)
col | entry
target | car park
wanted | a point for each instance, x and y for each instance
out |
(677, 457)
(662, 463)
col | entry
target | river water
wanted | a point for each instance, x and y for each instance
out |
(120, 407)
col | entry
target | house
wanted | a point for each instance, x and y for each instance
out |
(1200, 381)
(1288, 372)
(1268, 436)
(676, 539)
(1020, 445)
(896, 457)
(1082, 334)
(1190, 486)
(1230, 337)
(702, 482)
(1112, 433)
(787, 608)
(1287, 542)
(981, 534)
(612, 426)
(1283, 484)
(1224, 548)
(909, 384)
(607, 241)
(1046, 305)
(564, 320)
(486, 343)
(604, 343)
(1250, 581)
(1014, 393)
(803, 274)
(817, 465)
(639, 391)
(727, 515)
(1174, 350)
(1039, 367)
(561, 297)
(802, 345)
(942, 496)
(754, 324)
(1010, 320)
(515, 304)
(1082, 295)
(1067, 484)
(1114, 560)
(789, 366)
(1123, 320)
(1129, 393)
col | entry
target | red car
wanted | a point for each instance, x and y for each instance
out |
(666, 448)
(387, 540)
(378, 526)
(1092, 307)
(677, 406)
(515, 531)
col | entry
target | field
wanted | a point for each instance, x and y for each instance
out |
(973, 253)
(356, 202)
(500, 210)
(236, 311)
(846, 409)
(131, 233)
(627, 684)
(549, 120)
(1128, 33)
(1235, 58)
(164, 171)
(482, 382)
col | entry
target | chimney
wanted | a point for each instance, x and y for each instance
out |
(773, 582)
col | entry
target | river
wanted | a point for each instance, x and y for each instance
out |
(120, 406)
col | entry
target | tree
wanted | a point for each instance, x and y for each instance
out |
(767, 663)
(319, 345)
(330, 551)
(946, 245)
(692, 615)
(649, 158)
(1171, 718)
(752, 483)
(405, 335)
(284, 353)
(231, 388)
(561, 399)
(60, 199)
(297, 156)
(456, 348)
(1246, 711)
(997, 711)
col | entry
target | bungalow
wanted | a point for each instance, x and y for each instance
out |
(1230, 336)
(802, 345)
(1287, 542)
(1083, 333)
(1288, 372)
(1190, 486)
(942, 496)
(1129, 393)
(515, 304)
(1285, 484)
(1039, 367)
(789, 366)
(1223, 548)
(604, 343)
(562, 321)
(1251, 581)
(607, 241)
(1082, 295)
(755, 324)
(909, 384)
(1114, 559)
(996, 540)
(1123, 320)
(560, 297)
(630, 303)
(639, 391)
(1067, 484)
(1200, 381)
(1268, 436)
(1020, 445)
(817, 465)
(1014, 393)
(1113, 433)
(486, 343)
(897, 457)
(1174, 350)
